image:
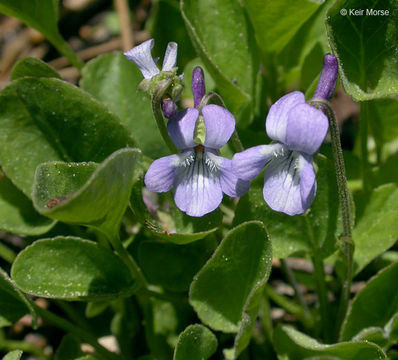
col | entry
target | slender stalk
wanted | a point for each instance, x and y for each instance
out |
(265, 317)
(63, 47)
(287, 305)
(347, 247)
(293, 282)
(157, 112)
(135, 270)
(10, 345)
(212, 96)
(6, 253)
(79, 332)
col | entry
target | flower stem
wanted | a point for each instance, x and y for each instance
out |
(135, 270)
(10, 345)
(6, 253)
(287, 305)
(157, 112)
(293, 282)
(347, 246)
(212, 96)
(63, 47)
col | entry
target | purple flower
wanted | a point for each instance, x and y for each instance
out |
(289, 180)
(142, 56)
(198, 174)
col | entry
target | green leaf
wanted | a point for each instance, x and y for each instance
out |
(291, 235)
(94, 309)
(288, 234)
(114, 80)
(374, 305)
(196, 342)
(237, 271)
(13, 303)
(87, 193)
(386, 172)
(125, 325)
(383, 116)
(32, 67)
(17, 214)
(292, 344)
(43, 119)
(276, 22)
(367, 58)
(164, 321)
(41, 15)
(377, 227)
(221, 33)
(71, 268)
(13, 355)
(173, 266)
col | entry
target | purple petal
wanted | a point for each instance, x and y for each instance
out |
(220, 125)
(197, 189)
(289, 184)
(142, 56)
(230, 183)
(248, 164)
(276, 121)
(161, 173)
(170, 57)
(328, 79)
(182, 127)
(169, 108)
(198, 85)
(306, 129)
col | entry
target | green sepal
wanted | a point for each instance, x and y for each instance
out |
(199, 135)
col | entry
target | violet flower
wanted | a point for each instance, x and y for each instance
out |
(198, 174)
(289, 181)
(142, 56)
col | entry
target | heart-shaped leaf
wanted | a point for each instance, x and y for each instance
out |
(43, 119)
(367, 58)
(237, 270)
(196, 342)
(87, 193)
(71, 268)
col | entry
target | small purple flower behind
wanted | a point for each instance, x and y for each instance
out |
(198, 174)
(289, 181)
(142, 56)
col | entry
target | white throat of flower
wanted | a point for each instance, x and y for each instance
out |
(198, 163)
